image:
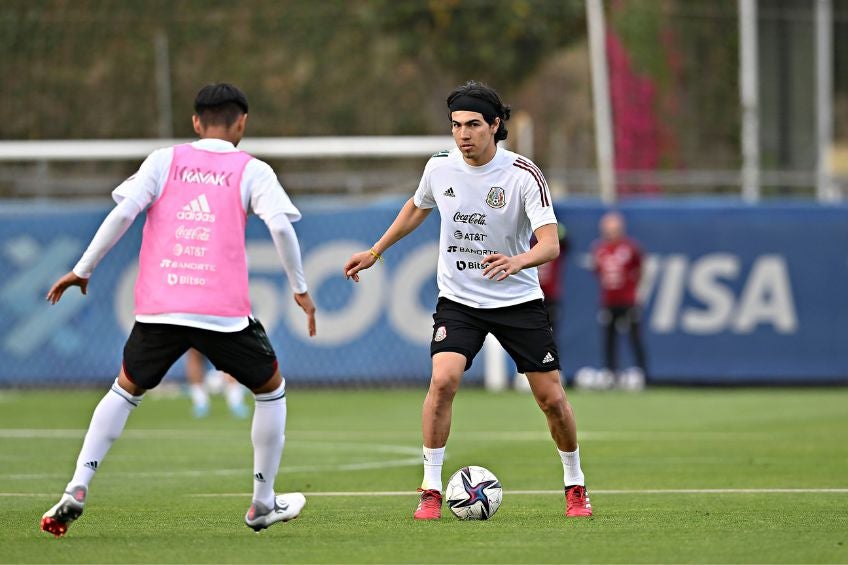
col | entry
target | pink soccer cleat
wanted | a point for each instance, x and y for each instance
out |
(430, 505)
(577, 502)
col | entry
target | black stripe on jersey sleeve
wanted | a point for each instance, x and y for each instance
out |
(546, 191)
(537, 176)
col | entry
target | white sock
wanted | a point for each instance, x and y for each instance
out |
(433, 460)
(268, 436)
(199, 396)
(107, 423)
(235, 395)
(572, 473)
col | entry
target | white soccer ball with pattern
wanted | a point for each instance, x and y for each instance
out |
(474, 493)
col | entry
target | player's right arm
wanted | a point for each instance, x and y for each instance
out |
(132, 196)
(411, 215)
(409, 218)
(108, 234)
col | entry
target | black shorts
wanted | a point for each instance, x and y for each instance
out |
(622, 317)
(524, 330)
(151, 349)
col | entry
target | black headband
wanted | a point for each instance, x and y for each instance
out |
(474, 104)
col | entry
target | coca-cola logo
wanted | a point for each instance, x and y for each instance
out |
(476, 218)
(199, 233)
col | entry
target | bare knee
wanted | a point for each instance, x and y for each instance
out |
(553, 405)
(443, 385)
(125, 383)
(549, 395)
(447, 373)
(270, 385)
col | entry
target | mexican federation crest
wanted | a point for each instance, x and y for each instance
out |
(441, 334)
(496, 197)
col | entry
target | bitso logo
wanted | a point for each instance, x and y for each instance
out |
(476, 218)
(462, 265)
(496, 197)
(199, 176)
(441, 334)
(197, 210)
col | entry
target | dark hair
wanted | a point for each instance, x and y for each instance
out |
(490, 99)
(220, 104)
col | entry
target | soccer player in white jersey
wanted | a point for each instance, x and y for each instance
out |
(191, 292)
(491, 201)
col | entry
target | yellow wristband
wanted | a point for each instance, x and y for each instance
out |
(376, 255)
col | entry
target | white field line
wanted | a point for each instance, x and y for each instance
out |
(284, 470)
(412, 436)
(246, 471)
(591, 492)
(408, 456)
(517, 492)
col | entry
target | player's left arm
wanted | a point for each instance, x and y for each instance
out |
(537, 206)
(500, 266)
(269, 201)
(636, 268)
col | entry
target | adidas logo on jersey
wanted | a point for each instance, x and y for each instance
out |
(548, 358)
(198, 210)
(449, 192)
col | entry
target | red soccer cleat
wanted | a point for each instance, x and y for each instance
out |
(56, 520)
(430, 505)
(577, 501)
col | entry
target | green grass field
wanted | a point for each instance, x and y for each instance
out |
(684, 476)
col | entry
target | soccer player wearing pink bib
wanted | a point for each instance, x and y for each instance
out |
(192, 292)
(491, 202)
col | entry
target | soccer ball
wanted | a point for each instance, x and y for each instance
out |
(594, 379)
(474, 493)
(586, 377)
(215, 381)
(632, 379)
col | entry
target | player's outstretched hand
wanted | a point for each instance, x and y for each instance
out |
(60, 286)
(499, 267)
(305, 302)
(358, 262)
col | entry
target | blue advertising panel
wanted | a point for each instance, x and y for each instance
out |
(732, 293)
(378, 329)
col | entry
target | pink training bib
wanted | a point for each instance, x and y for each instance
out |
(192, 256)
